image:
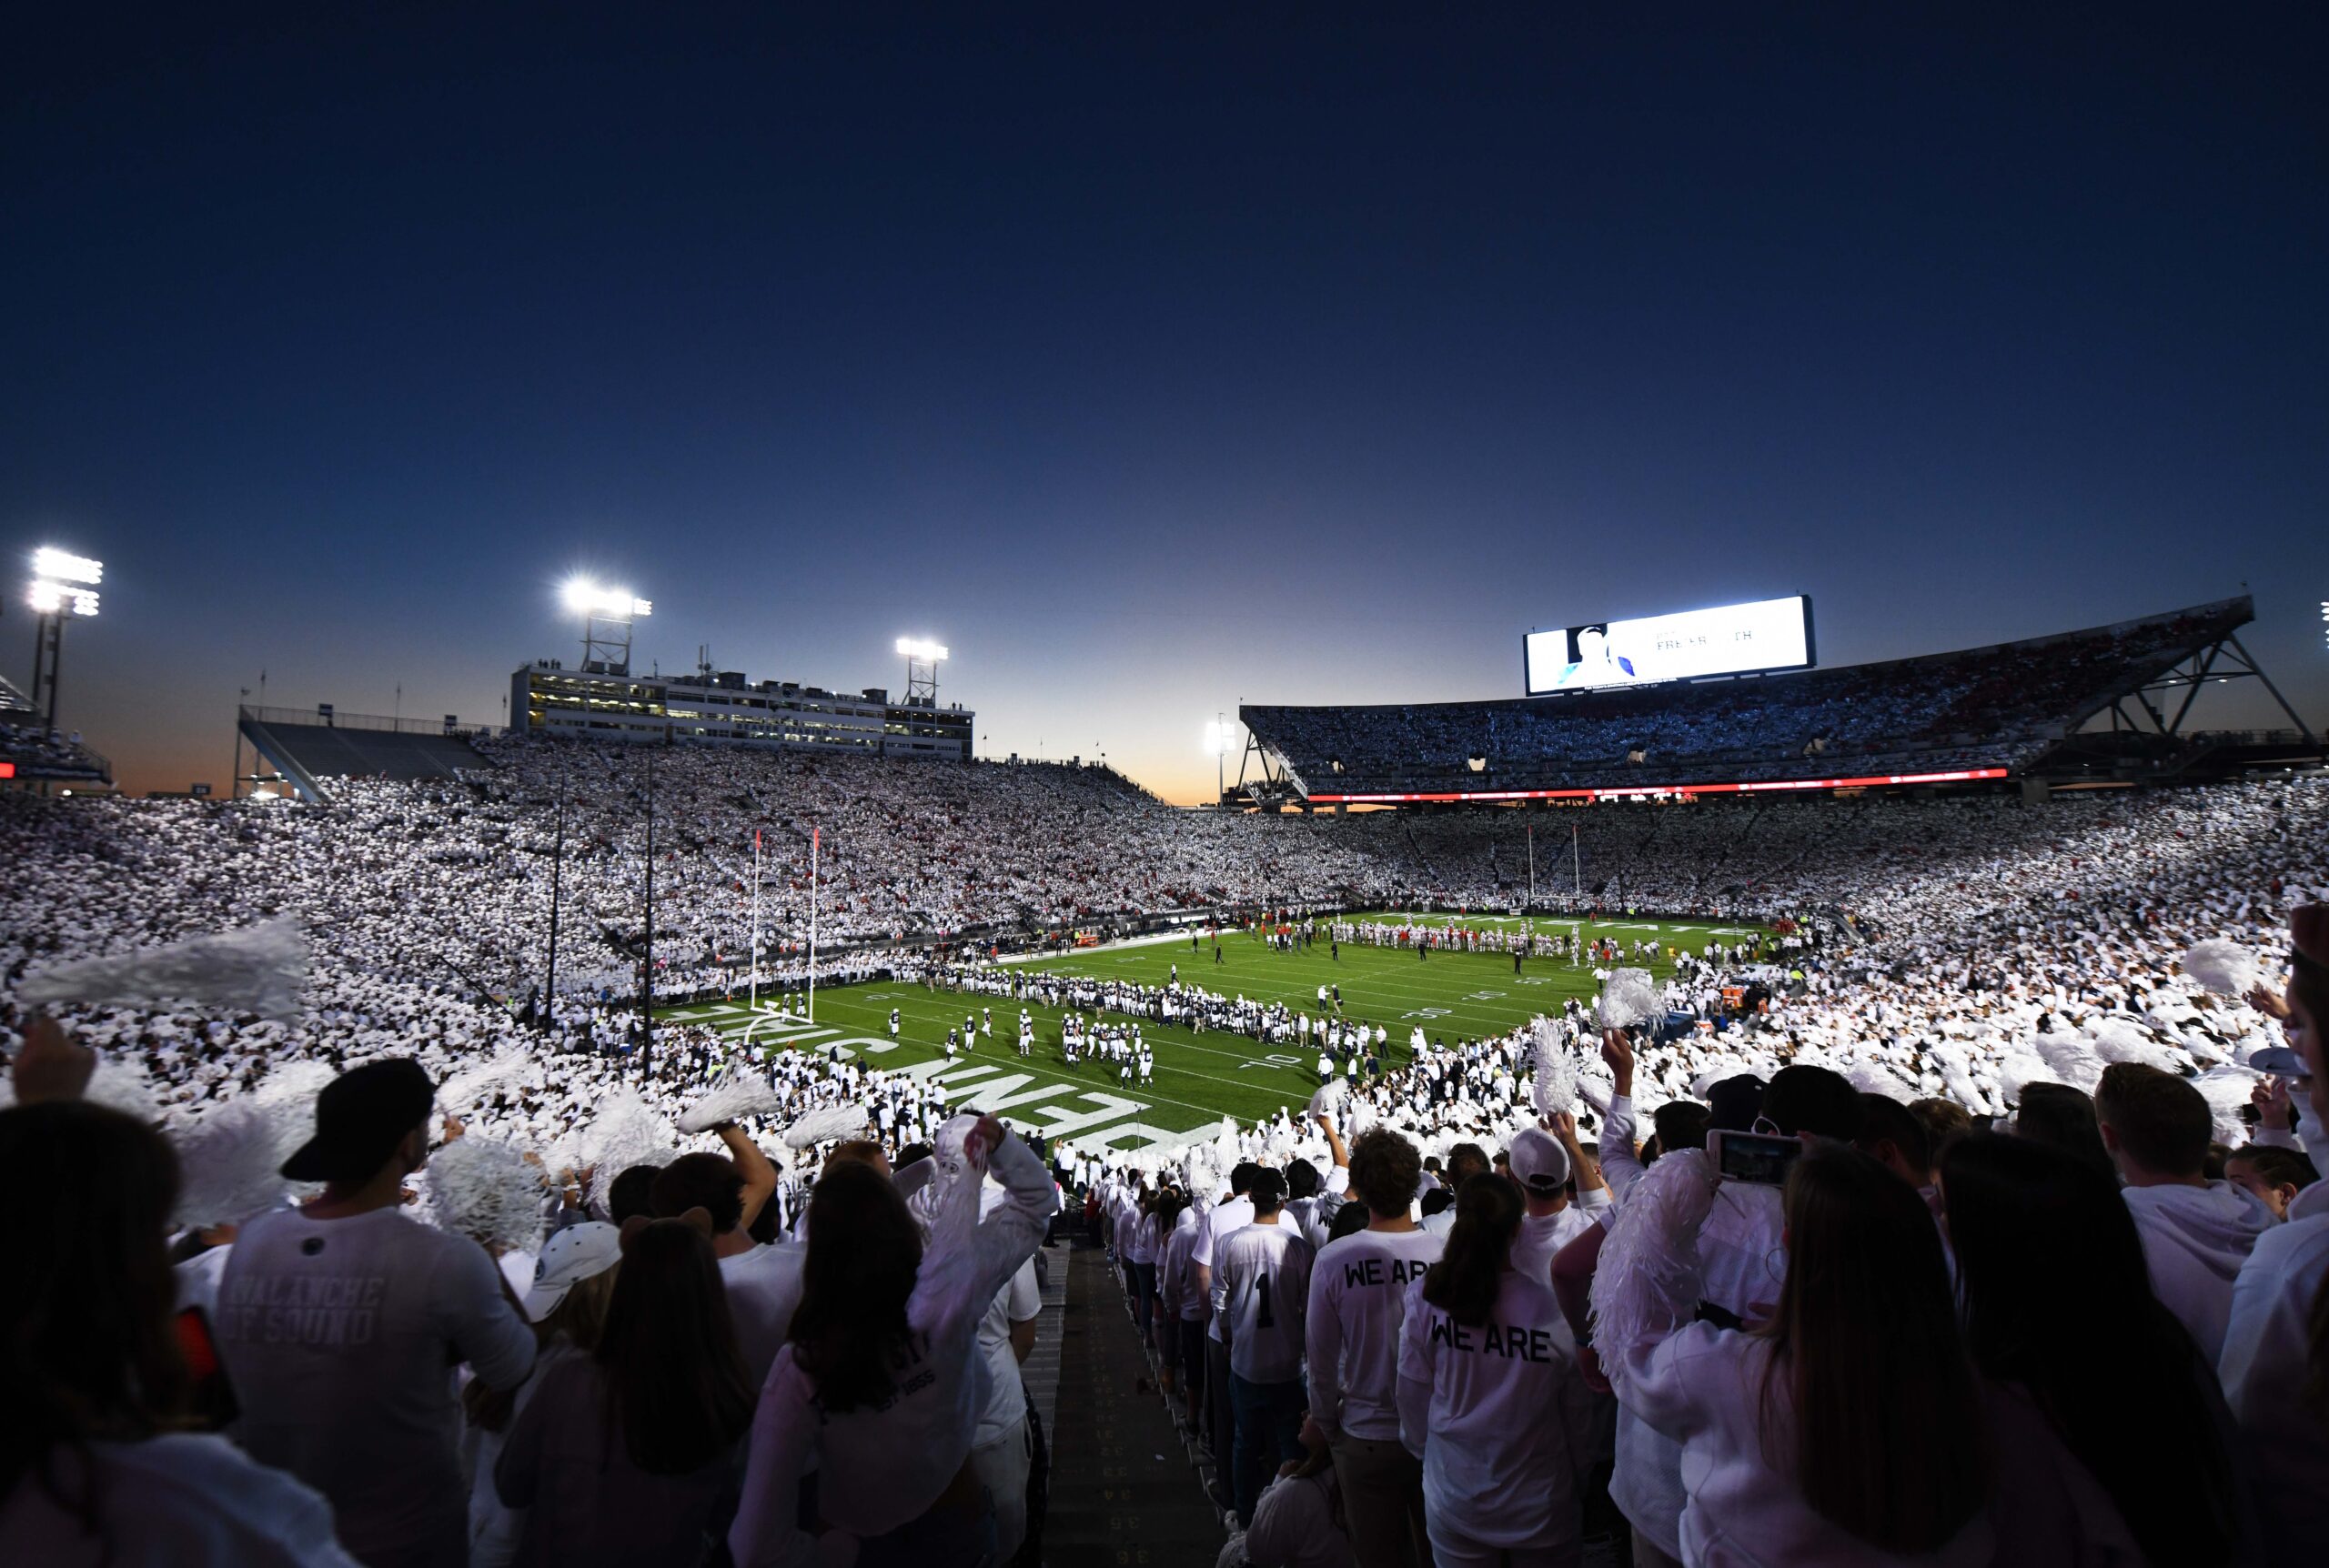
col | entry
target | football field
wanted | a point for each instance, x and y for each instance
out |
(1198, 1077)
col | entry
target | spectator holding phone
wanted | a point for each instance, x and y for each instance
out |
(96, 1467)
(1850, 1428)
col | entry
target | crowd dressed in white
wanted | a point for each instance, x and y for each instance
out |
(1976, 955)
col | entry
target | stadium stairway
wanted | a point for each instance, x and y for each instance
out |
(1126, 1489)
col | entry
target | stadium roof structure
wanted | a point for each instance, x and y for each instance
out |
(1969, 716)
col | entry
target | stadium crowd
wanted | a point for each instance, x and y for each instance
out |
(737, 1320)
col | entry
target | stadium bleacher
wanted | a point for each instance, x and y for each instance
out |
(355, 746)
(1996, 707)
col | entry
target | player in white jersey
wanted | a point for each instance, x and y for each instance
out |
(1483, 1353)
(1261, 1297)
(1358, 1295)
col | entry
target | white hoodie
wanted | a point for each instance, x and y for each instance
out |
(2263, 1370)
(2195, 1238)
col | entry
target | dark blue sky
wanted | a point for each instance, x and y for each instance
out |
(1153, 358)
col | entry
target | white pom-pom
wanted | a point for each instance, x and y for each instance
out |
(228, 1165)
(741, 1096)
(483, 1189)
(467, 1089)
(2222, 967)
(1328, 1100)
(2072, 1058)
(624, 1133)
(1630, 997)
(2123, 1039)
(1554, 1086)
(259, 969)
(1647, 1279)
(826, 1124)
(121, 1084)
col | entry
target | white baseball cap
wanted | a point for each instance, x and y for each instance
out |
(575, 1254)
(1538, 1161)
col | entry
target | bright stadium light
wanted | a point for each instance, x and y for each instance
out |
(59, 565)
(584, 597)
(921, 648)
(60, 598)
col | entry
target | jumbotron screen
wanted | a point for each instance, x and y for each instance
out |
(1729, 640)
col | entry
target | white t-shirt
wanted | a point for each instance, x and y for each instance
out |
(1261, 1286)
(1219, 1221)
(1358, 1298)
(1497, 1468)
(340, 1336)
(1006, 1396)
(180, 1500)
(764, 1289)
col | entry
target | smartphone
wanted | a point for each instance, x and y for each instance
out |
(214, 1405)
(2281, 1062)
(1762, 1158)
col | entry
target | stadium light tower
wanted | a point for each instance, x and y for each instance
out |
(921, 668)
(63, 586)
(606, 616)
(1216, 740)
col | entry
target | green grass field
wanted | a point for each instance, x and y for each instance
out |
(1198, 1078)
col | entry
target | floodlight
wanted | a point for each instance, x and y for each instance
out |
(57, 566)
(61, 598)
(921, 647)
(1216, 738)
(584, 597)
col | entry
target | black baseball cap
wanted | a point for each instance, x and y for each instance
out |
(361, 1118)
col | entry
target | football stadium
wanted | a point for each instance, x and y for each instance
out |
(1739, 980)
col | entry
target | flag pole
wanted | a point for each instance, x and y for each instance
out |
(813, 834)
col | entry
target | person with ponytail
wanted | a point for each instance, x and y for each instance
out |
(1484, 1355)
(1849, 1427)
(628, 1455)
(2276, 1361)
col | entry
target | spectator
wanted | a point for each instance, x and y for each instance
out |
(880, 1384)
(2035, 1227)
(1483, 1356)
(1298, 1521)
(1851, 1428)
(762, 1280)
(1358, 1296)
(2057, 1114)
(1261, 1295)
(96, 1467)
(339, 1319)
(2275, 1361)
(574, 1280)
(625, 1456)
(2196, 1233)
(2271, 1175)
